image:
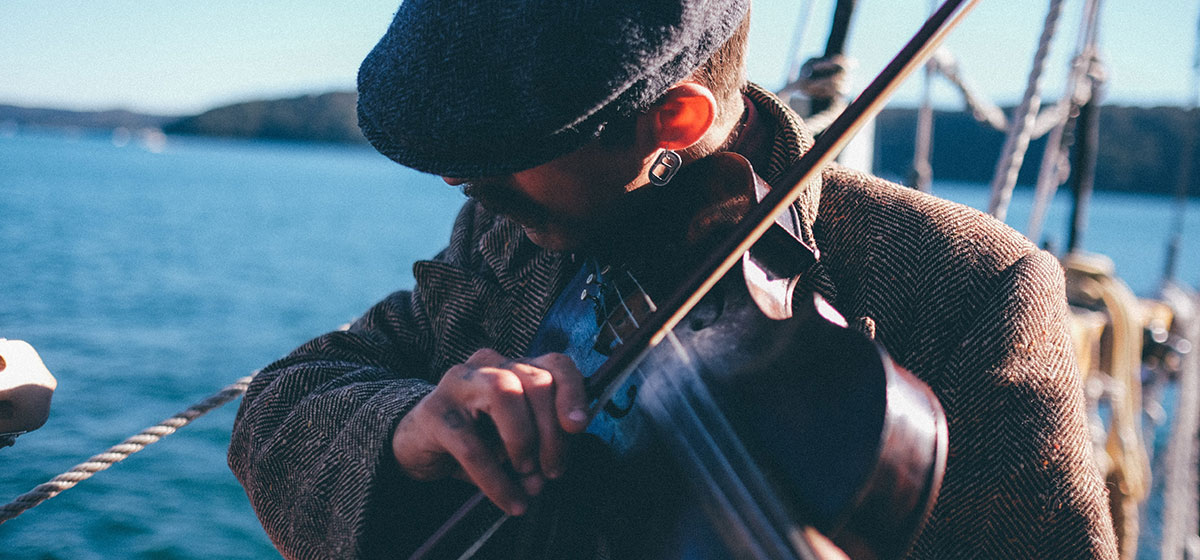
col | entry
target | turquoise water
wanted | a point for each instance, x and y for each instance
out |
(149, 280)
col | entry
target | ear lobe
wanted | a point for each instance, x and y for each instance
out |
(683, 116)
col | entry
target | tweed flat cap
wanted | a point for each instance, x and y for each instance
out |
(469, 88)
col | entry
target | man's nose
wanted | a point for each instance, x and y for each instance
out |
(454, 181)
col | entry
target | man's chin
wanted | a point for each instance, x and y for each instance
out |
(551, 239)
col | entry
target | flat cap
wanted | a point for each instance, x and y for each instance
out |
(469, 88)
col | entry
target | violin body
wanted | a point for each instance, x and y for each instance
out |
(737, 433)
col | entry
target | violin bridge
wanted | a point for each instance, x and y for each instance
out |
(621, 307)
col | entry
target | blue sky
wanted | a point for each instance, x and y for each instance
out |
(184, 57)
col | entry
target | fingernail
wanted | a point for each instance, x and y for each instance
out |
(533, 484)
(527, 466)
(578, 416)
(516, 509)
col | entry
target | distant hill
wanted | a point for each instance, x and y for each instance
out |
(1140, 148)
(328, 117)
(26, 117)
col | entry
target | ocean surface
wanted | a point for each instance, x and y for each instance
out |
(150, 275)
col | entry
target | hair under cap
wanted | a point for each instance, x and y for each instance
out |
(469, 88)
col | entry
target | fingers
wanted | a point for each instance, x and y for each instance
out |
(556, 394)
(506, 400)
(437, 439)
(570, 401)
(539, 387)
(552, 388)
(490, 408)
(480, 465)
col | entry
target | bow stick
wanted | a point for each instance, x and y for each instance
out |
(752, 227)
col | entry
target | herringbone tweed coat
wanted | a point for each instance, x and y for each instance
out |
(962, 301)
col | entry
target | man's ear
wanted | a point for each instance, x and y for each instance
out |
(680, 118)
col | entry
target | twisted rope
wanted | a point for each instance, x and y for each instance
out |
(1086, 68)
(1021, 124)
(983, 110)
(119, 452)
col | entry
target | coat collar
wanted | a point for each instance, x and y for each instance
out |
(792, 140)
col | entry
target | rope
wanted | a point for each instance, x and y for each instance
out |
(825, 79)
(1195, 92)
(806, 7)
(1184, 176)
(119, 452)
(921, 176)
(1023, 120)
(983, 110)
(1085, 68)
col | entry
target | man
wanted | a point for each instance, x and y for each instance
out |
(553, 117)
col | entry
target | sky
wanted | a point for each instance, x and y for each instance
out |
(178, 58)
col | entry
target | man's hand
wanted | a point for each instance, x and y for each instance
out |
(25, 387)
(491, 411)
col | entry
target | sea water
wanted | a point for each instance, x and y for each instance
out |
(150, 275)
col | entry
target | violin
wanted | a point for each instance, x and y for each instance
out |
(759, 416)
(739, 414)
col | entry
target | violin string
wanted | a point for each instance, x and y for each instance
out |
(616, 335)
(621, 298)
(470, 552)
(642, 291)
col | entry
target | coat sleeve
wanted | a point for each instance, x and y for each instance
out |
(1021, 480)
(311, 444)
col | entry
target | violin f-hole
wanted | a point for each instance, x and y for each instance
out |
(616, 411)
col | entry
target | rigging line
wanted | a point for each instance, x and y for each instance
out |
(119, 452)
(843, 11)
(1196, 68)
(1017, 142)
(794, 65)
(1087, 132)
(1055, 167)
(1183, 179)
(984, 111)
(922, 171)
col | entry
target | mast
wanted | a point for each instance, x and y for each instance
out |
(817, 89)
(835, 47)
(1087, 142)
